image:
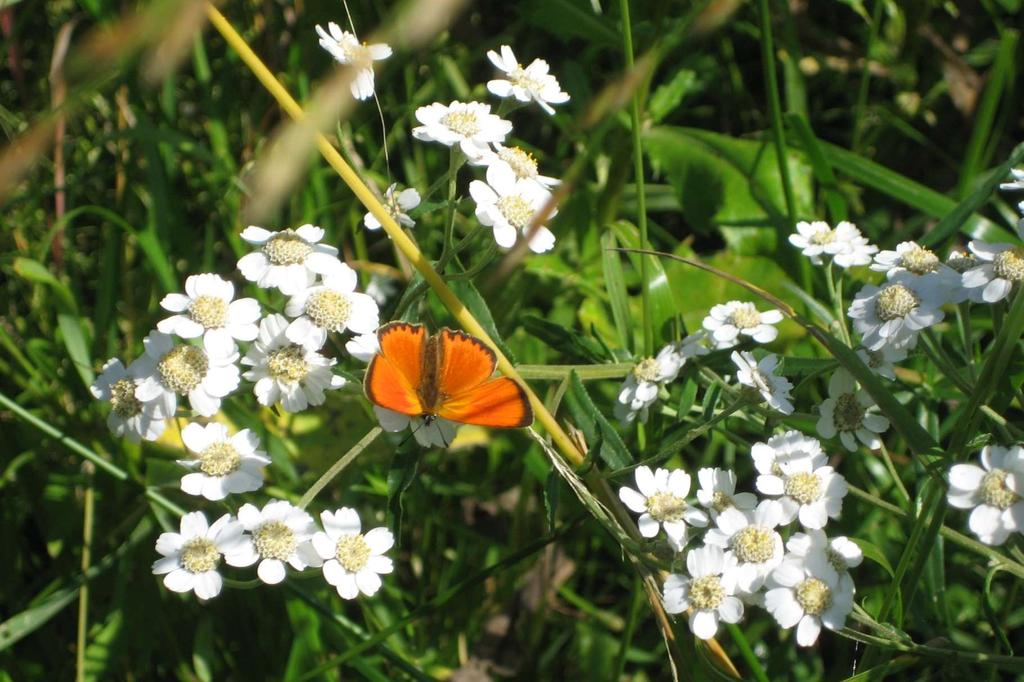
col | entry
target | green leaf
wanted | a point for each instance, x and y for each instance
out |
(470, 296)
(664, 307)
(614, 282)
(668, 96)
(401, 474)
(571, 344)
(600, 434)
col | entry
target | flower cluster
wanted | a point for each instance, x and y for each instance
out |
(743, 559)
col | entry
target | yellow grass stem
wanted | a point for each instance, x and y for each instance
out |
(400, 239)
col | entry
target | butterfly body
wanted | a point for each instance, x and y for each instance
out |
(445, 375)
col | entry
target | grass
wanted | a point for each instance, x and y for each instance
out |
(692, 142)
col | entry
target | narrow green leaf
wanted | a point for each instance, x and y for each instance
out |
(615, 283)
(573, 345)
(595, 426)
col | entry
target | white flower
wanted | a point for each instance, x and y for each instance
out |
(279, 534)
(225, 463)
(882, 361)
(289, 260)
(353, 560)
(207, 309)
(363, 347)
(1016, 182)
(428, 431)
(809, 595)
(347, 49)
(750, 537)
(960, 262)
(471, 125)
(922, 263)
(129, 417)
(640, 389)
(519, 161)
(532, 83)
(785, 448)
(206, 374)
(508, 204)
(728, 321)
(661, 501)
(191, 557)
(331, 306)
(844, 244)
(896, 312)
(761, 377)
(290, 372)
(809, 489)
(1000, 267)
(841, 552)
(993, 491)
(718, 492)
(381, 288)
(708, 591)
(850, 412)
(397, 205)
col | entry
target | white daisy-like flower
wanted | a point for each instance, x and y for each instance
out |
(207, 309)
(129, 417)
(785, 448)
(347, 49)
(708, 590)
(508, 204)
(519, 161)
(894, 313)
(993, 491)
(761, 377)
(279, 534)
(224, 463)
(717, 492)
(381, 288)
(960, 262)
(363, 347)
(882, 361)
(841, 552)
(661, 502)
(999, 268)
(471, 125)
(353, 560)
(289, 260)
(640, 389)
(845, 244)
(398, 205)
(293, 373)
(428, 431)
(809, 595)
(191, 557)
(750, 537)
(1016, 180)
(334, 305)
(206, 374)
(851, 413)
(727, 322)
(807, 488)
(909, 257)
(525, 84)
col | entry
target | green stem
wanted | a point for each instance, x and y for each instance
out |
(638, 179)
(740, 640)
(455, 161)
(835, 293)
(339, 466)
(945, 364)
(865, 79)
(775, 108)
(895, 474)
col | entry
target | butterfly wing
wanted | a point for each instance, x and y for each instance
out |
(395, 374)
(470, 395)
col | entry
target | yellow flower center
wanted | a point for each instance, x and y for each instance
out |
(183, 368)
(754, 544)
(848, 414)
(994, 491)
(352, 552)
(720, 501)
(516, 209)
(920, 261)
(209, 311)
(706, 592)
(895, 301)
(465, 123)
(745, 316)
(288, 364)
(328, 309)
(836, 560)
(522, 162)
(803, 487)
(122, 399)
(647, 370)
(961, 262)
(814, 596)
(274, 540)
(219, 459)
(520, 78)
(1009, 265)
(822, 236)
(287, 248)
(665, 506)
(199, 555)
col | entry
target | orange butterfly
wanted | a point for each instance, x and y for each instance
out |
(445, 375)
